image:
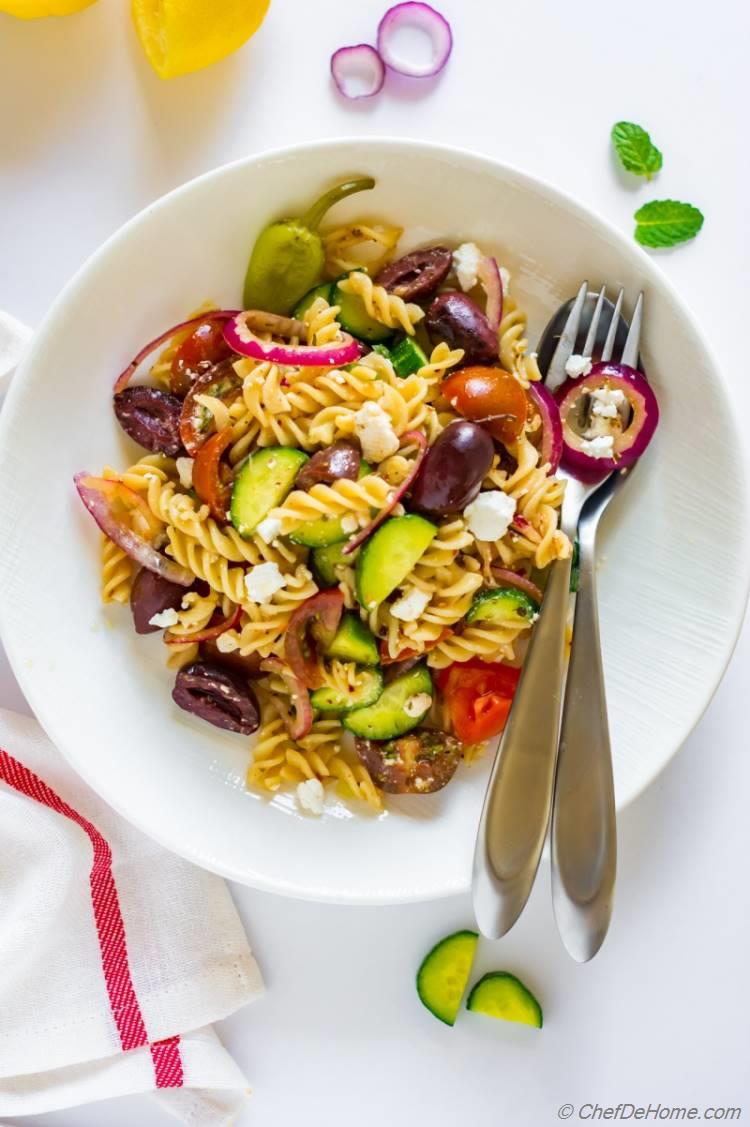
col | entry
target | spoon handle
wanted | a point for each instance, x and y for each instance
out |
(519, 797)
(584, 840)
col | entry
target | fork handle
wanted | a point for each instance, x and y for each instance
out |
(519, 797)
(584, 841)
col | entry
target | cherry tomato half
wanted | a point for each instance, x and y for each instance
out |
(207, 474)
(479, 695)
(205, 346)
(480, 393)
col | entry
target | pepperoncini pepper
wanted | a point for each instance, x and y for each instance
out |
(288, 256)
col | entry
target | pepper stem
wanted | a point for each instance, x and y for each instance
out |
(311, 219)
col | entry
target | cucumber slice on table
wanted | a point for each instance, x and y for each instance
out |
(368, 690)
(442, 977)
(504, 605)
(407, 357)
(389, 555)
(388, 717)
(325, 290)
(356, 320)
(262, 484)
(502, 995)
(353, 641)
(325, 561)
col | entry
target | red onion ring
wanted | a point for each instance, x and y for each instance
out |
(513, 579)
(94, 491)
(631, 442)
(242, 339)
(351, 67)
(301, 723)
(492, 284)
(551, 447)
(425, 18)
(125, 375)
(206, 635)
(410, 436)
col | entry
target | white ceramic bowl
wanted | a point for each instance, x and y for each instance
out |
(674, 548)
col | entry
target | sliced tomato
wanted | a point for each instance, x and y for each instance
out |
(207, 480)
(479, 695)
(489, 395)
(316, 620)
(222, 382)
(204, 347)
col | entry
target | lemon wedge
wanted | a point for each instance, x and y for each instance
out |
(180, 36)
(37, 9)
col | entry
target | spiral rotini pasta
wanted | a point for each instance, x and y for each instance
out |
(251, 606)
(381, 305)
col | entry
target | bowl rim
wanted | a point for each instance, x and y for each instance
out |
(64, 303)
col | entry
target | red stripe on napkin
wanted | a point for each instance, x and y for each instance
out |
(110, 929)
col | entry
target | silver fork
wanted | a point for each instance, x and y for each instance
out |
(516, 811)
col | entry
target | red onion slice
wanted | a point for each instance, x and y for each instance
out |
(97, 495)
(358, 71)
(410, 436)
(301, 723)
(423, 18)
(208, 634)
(489, 275)
(551, 446)
(124, 377)
(513, 579)
(630, 443)
(240, 337)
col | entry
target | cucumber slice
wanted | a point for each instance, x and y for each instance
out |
(388, 718)
(355, 319)
(262, 484)
(354, 642)
(575, 568)
(319, 533)
(325, 290)
(381, 350)
(325, 561)
(369, 689)
(503, 996)
(445, 970)
(389, 555)
(505, 605)
(407, 357)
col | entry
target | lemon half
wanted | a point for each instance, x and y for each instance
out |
(180, 36)
(38, 9)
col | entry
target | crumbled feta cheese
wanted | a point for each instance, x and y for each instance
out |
(349, 523)
(164, 618)
(310, 796)
(375, 433)
(409, 607)
(466, 259)
(263, 581)
(576, 366)
(490, 515)
(418, 704)
(269, 529)
(600, 446)
(185, 470)
(226, 643)
(605, 402)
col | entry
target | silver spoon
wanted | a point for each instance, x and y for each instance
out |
(517, 806)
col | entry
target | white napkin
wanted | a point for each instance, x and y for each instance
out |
(115, 955)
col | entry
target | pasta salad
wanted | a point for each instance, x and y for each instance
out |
(344, 509)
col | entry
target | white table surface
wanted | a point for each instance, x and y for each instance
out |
(89, 136)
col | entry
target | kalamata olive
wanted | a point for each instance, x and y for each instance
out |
(453, 469)
(456, 319)
(337, 461)
(247, 665)
(417, 275)
(151, 418)
(420, 762)
(217, 695)
(150, 595)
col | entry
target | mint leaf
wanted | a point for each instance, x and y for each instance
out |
(635, 149)
(664, 223)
